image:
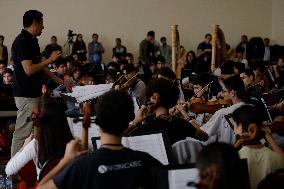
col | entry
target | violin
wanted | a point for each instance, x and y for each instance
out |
(201, 106)
(277, 126)
(127, 84)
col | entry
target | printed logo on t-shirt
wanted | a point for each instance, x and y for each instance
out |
(103, 168)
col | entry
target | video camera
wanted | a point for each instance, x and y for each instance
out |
(70, 34)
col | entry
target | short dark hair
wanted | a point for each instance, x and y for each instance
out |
(248, 114)
(249, 72)
(1, 36)
(240, 49)
(235, 83)
(163, 38)
(258, 65)
(9, 71)
(94, 34)
(53, 37)
(226, 158)
(151, 33)
(208, 34)
(239, 66)
(167, 90)
(30, 16)
(129, 68)
(114, 111)
(161, 58)
(202, 79)
(60, 61)
(129, 55)
(167, 72)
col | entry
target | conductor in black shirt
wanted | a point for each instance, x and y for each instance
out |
(112, 165)
(28, 74)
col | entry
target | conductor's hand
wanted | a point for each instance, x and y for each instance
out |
(73, 150)
(55, 55)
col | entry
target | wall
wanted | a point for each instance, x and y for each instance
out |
(278, 21)
(131, 19)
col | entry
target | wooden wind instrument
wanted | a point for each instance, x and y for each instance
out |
(87, 112)
(214, 47)
(175, 46)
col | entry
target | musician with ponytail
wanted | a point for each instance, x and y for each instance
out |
(53, 133)
(261, 160)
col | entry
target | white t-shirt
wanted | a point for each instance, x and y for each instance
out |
(261, 162)
(218, 129)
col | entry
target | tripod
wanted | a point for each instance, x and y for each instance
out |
(70, 43)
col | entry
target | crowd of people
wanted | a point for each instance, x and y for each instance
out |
(184, 102)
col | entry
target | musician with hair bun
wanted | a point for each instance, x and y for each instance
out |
(261, 160)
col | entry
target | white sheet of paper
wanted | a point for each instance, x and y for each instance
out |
(179, 178)
(76, 129)
(88, 92)
(152, 144)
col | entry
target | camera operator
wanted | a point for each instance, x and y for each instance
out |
(79, 48)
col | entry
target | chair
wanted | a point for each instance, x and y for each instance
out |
(273, 180)
(49, 165)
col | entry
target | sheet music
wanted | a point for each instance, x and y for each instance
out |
(179, 178)
(76, 129)
(152, 144)
(88, 92)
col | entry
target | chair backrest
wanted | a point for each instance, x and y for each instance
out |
(273, 180)
(28, 174)
(49, 165)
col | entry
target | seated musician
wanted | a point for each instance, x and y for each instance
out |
(260, 77)
(279, 72)
(201, 92)
(60, 71)
(112, 165)
(136, 87)
(219, 167)
(164, 95)
(167, 73)
(217, 127)
(252, 89)
(261, 160)
(54, 133)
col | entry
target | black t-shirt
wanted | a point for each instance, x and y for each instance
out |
(107, 169)
(25, 47)
(202, 46)
(178, 129)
